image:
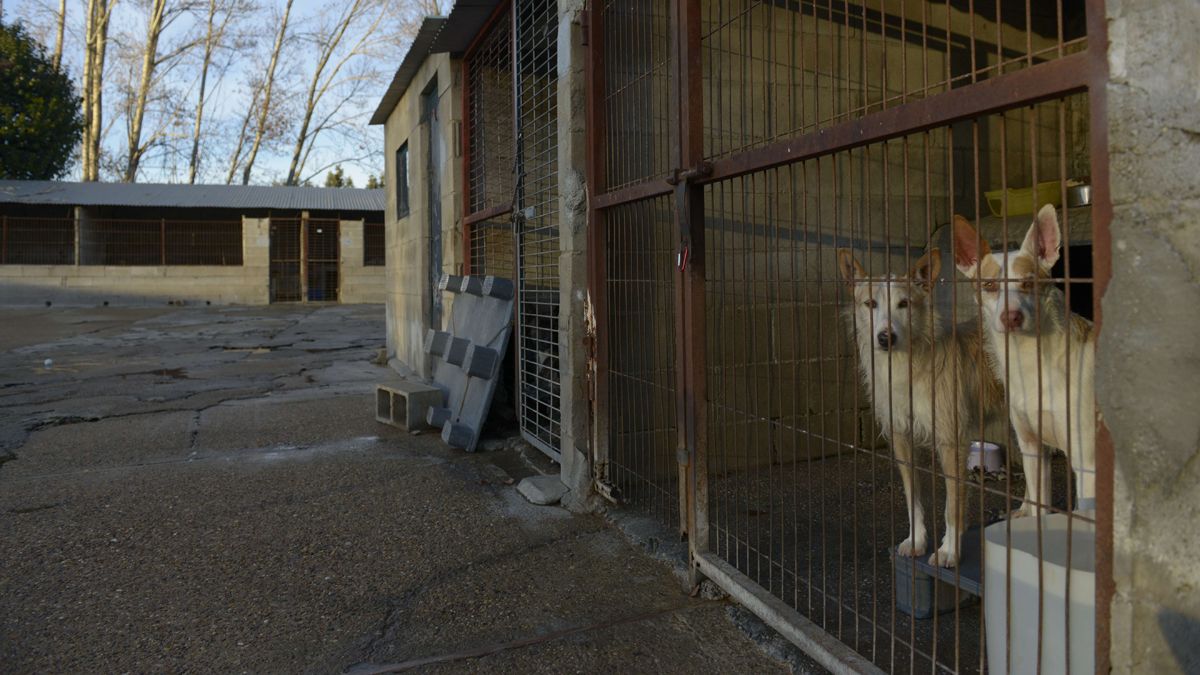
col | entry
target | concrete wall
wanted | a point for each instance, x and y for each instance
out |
(572, 209)
(1148, 364)
(359, 283)
(408, 288)
(153, 284)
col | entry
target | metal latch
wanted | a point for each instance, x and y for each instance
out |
(680, 179)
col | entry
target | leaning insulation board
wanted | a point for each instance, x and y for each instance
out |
(467, 357)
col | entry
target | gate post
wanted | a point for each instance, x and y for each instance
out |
(691, 323)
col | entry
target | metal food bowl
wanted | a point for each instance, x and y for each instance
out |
(1079, 195)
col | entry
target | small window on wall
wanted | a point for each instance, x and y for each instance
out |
(373, 244)
(402, 181)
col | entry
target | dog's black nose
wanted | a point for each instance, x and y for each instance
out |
(886, 338)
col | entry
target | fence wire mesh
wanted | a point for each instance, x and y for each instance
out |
(536, 50)
(859, 338)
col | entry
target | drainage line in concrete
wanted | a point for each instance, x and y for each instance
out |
(528, 642)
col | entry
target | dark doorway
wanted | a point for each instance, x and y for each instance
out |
(285, 258)
(321, 260)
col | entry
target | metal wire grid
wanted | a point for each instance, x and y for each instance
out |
(777, 69)
(374, 244)
(159, 242)
(285, 258)
(803, 497)
(321, 260)
(492, 248)
(637, 100)
(490, 119)
(643, 427)
(37, 241)
(537, 223)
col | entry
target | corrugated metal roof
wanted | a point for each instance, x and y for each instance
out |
(408, 67)
(193, 196)
(465, 21)
(453, 34)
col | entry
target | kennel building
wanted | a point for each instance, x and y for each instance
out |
(730, 149)
(93, 243)
(474, 141)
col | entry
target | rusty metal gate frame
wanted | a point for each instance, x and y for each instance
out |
(1085, 71)
(531, 227)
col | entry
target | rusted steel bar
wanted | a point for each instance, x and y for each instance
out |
(1024, 87)
(1097, 54)
(827, 650)
(597, 237)
(488, 214)
(652, 187)
(464, 141)
(692, 324)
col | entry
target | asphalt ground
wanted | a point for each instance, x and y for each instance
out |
(207, 490)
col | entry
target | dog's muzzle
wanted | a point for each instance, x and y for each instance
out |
(886, 339)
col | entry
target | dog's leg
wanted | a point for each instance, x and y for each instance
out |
(915, 544)
(1036, 465)
(954, 469)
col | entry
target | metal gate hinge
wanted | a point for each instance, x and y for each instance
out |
(680, 179)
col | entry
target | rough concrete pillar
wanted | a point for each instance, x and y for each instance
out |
(1148, 361)
(572, 209)
(256, 256)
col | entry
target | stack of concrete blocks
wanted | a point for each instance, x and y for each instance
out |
(467, 357)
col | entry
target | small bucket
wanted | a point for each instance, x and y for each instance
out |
(985, 456)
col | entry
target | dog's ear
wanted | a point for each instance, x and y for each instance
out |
(849, 266)
(1043, 239)
(925, 271)
(969, 249)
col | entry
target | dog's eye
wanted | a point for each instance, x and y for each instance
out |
(991, 286)
(1027, 286)
(902, 304)
(871, 303)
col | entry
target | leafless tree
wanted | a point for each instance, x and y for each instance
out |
(327, 78)
(61, 24)
(413, 12)
(99, 14)
(151, 83)
(268, 85)
(214, 36)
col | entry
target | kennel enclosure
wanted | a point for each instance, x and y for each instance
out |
(735, 146)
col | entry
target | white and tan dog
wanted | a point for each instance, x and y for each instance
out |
(925, 384)
(1044, 354)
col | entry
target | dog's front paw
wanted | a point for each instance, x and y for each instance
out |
(911, 548)
(944, 557)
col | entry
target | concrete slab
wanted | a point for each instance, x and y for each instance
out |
(542, 490)
(263, 529)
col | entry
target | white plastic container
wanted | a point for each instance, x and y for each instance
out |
(986, 456)
(1015, 631)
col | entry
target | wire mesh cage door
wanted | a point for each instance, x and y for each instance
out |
(285, 260)
(321, 253)
(536, 222)
(835, 165)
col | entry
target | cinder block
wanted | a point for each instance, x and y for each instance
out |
(456, 353)
(436, 342)
(481, 362)
(497, 287)
(459, 436)
(404, 404)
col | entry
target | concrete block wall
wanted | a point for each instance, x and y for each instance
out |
(359, 283)
(244, 284)
(1148, 362)
(408, 285)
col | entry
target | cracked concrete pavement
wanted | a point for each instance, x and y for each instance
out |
(206, 489)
